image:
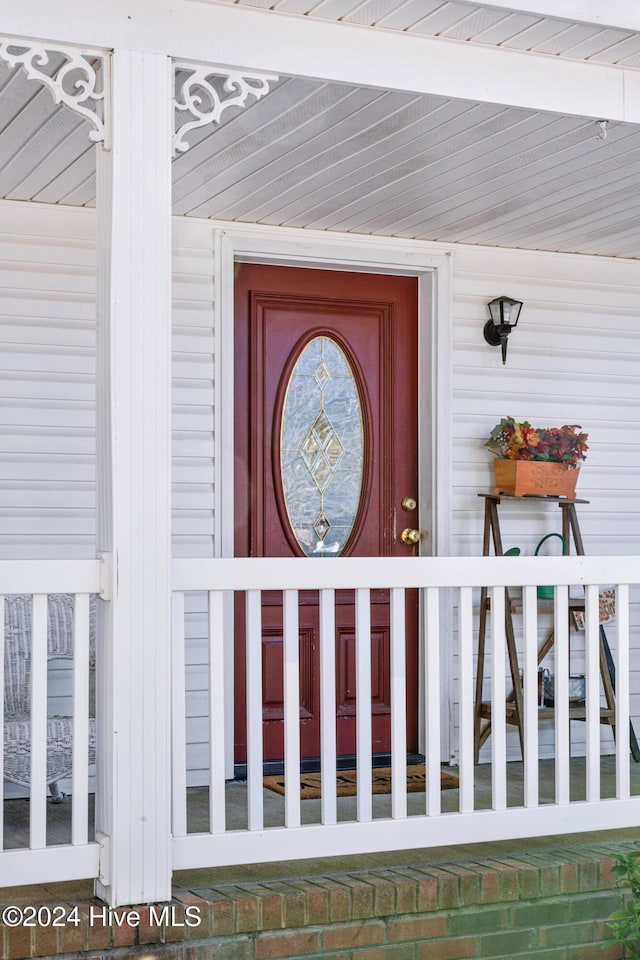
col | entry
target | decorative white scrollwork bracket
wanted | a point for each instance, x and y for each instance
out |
(201, 91)
(81, 82)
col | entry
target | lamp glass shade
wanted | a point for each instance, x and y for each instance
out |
(505, 311)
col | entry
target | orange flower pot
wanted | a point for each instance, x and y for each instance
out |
(537, 477)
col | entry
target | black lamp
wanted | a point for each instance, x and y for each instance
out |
(504, 317)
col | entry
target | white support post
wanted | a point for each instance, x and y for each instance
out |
(134, 383)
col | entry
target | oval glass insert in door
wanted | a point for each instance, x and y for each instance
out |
(322, 448)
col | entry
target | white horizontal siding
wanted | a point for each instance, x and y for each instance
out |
(47, 388)
(574, 358)
(192, 389)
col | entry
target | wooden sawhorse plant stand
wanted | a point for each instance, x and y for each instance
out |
(515, 704)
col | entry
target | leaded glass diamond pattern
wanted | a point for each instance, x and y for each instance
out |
(321, 526)
(322, 448)
(322, 374)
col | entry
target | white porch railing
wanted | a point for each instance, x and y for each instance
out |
(447, 586)
(42, 861)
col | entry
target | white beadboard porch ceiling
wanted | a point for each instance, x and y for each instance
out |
(474, 23)
(313, 154)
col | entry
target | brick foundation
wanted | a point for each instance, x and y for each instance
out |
(543, 906)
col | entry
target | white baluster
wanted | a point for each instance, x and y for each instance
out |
(531, 759)
(80, 743)
(592, 664)
(398, 704)
(38, 793)
(498, 708)
(291, 682)
(465, 669)
(561, 693)
(217, 817)
(328, 706)
(254, 710)
(363, 705)
(623, 779)
(432, 710)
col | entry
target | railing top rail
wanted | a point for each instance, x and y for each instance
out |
(384, 572)
(50, 576)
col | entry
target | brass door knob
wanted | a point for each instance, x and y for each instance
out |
(410, 537)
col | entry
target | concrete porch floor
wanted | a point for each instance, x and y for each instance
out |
(16, 812)
(583, 860)
(198, 809)
(16, 815)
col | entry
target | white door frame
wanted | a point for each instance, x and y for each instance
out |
(296, 248)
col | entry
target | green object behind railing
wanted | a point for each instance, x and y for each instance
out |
(544, 592)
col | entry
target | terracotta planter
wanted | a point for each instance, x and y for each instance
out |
(521, 477)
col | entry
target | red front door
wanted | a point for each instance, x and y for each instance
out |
(325, 453)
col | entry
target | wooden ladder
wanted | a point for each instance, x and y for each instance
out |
(515, 704)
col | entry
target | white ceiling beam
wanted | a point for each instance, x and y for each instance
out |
(619, 14)
(259, 40)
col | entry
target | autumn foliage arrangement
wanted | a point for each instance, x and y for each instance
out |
(511, 440)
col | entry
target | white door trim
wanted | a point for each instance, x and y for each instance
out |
(287, 247)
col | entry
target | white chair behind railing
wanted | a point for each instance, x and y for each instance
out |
(18, 689)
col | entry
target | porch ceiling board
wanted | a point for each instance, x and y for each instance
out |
(333, 156)
(527, 27)
(39, 141)
(393, 164)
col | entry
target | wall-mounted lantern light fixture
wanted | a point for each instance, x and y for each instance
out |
(504, 317)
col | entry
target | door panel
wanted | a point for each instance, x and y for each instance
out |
(325, 451)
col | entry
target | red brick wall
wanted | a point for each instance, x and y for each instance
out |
(543, 906)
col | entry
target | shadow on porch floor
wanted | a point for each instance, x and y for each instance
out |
(16, 818)
(236, 795)
(509, 880)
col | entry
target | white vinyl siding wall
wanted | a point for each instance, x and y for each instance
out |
(47, 411)
(193, 519)
(574, 358)
(193, 440)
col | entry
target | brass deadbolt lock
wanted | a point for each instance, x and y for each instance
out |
(409, 504)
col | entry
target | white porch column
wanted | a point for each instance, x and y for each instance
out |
(134, 356)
